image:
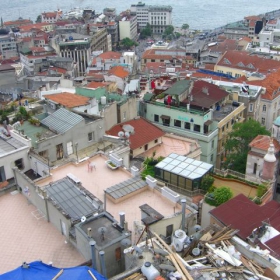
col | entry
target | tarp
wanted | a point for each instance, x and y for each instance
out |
(41, 271)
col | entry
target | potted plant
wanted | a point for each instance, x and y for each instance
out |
(111, 165)
(34, 121)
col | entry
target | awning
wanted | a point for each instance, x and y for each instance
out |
(208, 122)
(164, 117)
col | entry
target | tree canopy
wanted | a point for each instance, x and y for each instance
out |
(237, 144)
(128, 43)
(222, 195)
(185, 26)
(146, 32)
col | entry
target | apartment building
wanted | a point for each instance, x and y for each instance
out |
(158, 16)
(127, 26)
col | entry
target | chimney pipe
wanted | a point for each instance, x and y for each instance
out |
(183, 202)
(122, 219)
(102, 261)
(92, 244)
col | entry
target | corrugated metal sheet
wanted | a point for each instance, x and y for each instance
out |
(62, 120)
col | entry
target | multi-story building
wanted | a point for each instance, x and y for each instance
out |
(51, 17)
(8, 46)
(198, 110)
(79, 47)
(158, 16)
(127, 26)
(241, 63)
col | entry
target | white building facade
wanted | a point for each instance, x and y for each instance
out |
(158, 16)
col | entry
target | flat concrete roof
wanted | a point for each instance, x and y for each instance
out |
(102, 178)
(26, 236)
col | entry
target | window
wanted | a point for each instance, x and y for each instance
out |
(263, 121)
(177, 123)
(196, 128)
(156, 141)
(212, 144)
(255, 168)
(124, 115)
(19, 164)
(156, 118)
(187, 125)
(251, 107)
(146, 147)
(264, 108)
(90, 136)
(211, 159)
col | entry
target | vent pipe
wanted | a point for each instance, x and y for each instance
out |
(102, 261)
(122, 219)
(183, 203)
(92, 244)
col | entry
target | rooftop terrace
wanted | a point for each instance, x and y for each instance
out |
(102, 178)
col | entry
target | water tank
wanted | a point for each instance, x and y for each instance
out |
(149, 271)
(178, 239)
(103, 100)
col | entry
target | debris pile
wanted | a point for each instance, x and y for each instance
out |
(214, 253)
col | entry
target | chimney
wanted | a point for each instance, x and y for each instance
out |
(102, 261)
(89, 232)
(92, 244)
(122, 219)
(183, 203)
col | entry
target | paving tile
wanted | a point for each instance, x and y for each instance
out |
(23, 238)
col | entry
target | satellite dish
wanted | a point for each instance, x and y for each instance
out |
(197, 228)
(121, 134)
(126, 242)
(83, 219)
(127, 134)
(194, 206)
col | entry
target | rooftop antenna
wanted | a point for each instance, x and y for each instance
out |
(102, 231)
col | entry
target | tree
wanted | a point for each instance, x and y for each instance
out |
(128, 43)
(237, 144)
(39, 19)
(221, 195)
(207, 182)
(185, 26)
(169, 30)
(146, 32)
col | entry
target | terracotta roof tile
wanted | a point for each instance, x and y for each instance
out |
(262, 142)
(107, 55)
(118, 71)
(96, 85)
(67, 99)
(245, 61)
(271, 83)
(144, 132)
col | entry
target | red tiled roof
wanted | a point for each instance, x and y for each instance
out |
(244, 215)
(228, 44)
(233, 59)
(67, 99)
(107, 55)
(254, 18)
(271, 83)
(96, 84)
(144, 132)
(18, 22)
(206, 100)
(39, 26)
(118, 71)
(262, 142)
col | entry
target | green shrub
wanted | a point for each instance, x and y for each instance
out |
(206, 183)
(222, 195)
(261, 190)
